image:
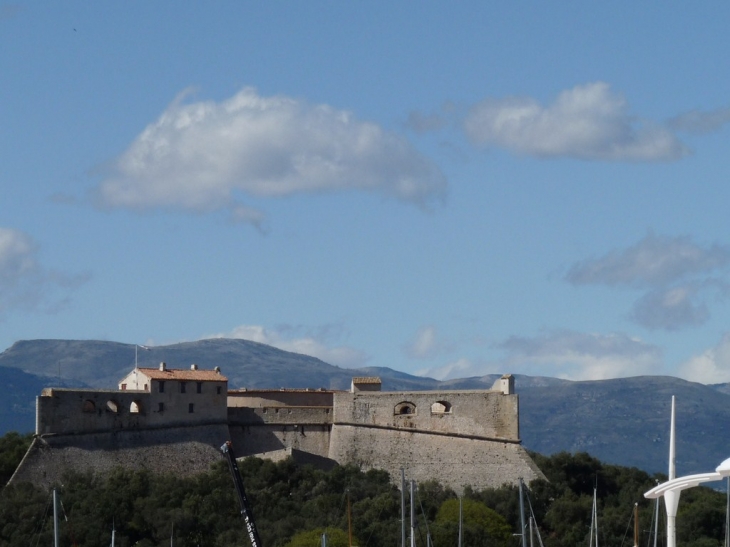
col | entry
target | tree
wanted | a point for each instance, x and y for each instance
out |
(481, 525)
(13, 447)
(313, 538)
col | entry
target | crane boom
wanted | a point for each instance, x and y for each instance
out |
(246, 513)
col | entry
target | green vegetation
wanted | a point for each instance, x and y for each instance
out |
(294, 505)
(13, 447)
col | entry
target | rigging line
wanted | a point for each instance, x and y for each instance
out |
(651, 526)
(425, 520)
(372, 530)
(628, 526)
(534, 519)
(42, 523)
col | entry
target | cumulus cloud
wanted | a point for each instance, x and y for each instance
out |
(199, 156)
(580, 356)
(655, 260)
(427, 343)
(676, 275)
(709, 367)
(670, 309)
(588, 122)
(699, 122)
(290, 339)
(24, 283)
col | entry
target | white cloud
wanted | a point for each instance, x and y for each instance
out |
(710, 367)
(17, 257)
(588, 122)
(697, 121)
(199, 156)
(671, 308)
(427, 343)
(580, 356)
(675, 273)
(313, 346)
(24, 283)
(653, 261)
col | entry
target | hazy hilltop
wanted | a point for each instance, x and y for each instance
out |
(623, 421)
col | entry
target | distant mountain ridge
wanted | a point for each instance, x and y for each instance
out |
(623, 421)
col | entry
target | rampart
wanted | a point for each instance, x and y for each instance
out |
(178, 422)
(179, 450)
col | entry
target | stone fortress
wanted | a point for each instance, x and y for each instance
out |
(175, 420)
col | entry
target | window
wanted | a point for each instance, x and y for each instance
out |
(124, 387)
(218, 390)
(89, 406)
(134, 408)
(183, 385)
(191, 408)
(112, 406)
(162, 387)
(441, 407)
(160, 407)
(404, 408)
(200, 387)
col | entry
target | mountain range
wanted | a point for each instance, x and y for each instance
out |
(623, 421)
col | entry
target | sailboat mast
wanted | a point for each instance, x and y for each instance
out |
(349, 522)
(402, 508)
(671, 498)
(656, 521)
(413, 517)
(55, 518)
(522, 516)
(727, 516)
(636, 525)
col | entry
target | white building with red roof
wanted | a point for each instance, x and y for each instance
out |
(180, 395)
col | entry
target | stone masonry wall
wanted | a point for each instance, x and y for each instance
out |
(258, 430)
(182, 451)
(488, 414)
(453, 461)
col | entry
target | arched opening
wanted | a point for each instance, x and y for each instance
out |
(89, 406)
(135, 407)
(441, 407)
(404, 409)
(112, 406)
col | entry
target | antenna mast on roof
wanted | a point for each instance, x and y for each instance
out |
(135, 353)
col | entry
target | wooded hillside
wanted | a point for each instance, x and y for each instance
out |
(294, 505)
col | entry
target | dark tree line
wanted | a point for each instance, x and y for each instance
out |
(294, 505)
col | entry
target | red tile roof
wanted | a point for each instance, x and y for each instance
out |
(183, 375)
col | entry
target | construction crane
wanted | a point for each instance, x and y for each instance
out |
(246, 512)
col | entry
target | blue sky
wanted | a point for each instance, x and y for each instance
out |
(450, 190)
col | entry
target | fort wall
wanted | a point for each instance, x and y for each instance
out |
(487, 414)
(67, 411)
(182, 451)
(279, 397)
(453, 461)
(181, 418)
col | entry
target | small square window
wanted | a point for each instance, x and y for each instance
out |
(124, 387)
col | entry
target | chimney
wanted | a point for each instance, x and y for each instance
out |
(217, 369)
(193, 367)
(163, 366)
